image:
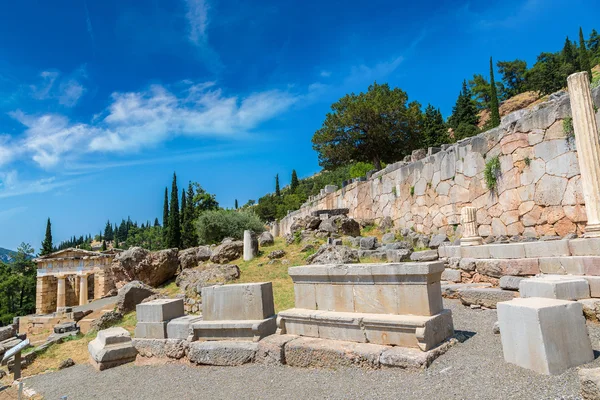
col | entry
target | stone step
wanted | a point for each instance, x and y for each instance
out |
(424, 332)
(485, 297)
(250, 330)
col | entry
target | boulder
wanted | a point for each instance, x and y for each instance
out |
(386, 224)
(266, 239)
(131, 295)
(227, 252)
(589, 381)
(276, 254)
(334, 255)
(328, 226)
(509, 282)
(7, 332)
(485, 297)
(66, 363)
(368, 243)
(193, 280)
(398, 255)
(425, 255)
(106, 320)
(190, 258)
(348, 226)
(151, 268)
(437, 240)
(388, 238)
(311, 222)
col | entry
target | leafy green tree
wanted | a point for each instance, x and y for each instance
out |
(494, 106)
(545, 76)
(214, 226)
(584, 57)
(174, 230)
(47, 247)
(150, 238)
(464, 113)
(480, 91)
(465, 130)
(435, 131)
(513, 76)
(277, 189)
(360, 169)
(594, 47)
(569, 54)
(294, 183)
(202, 200)
(377, 126)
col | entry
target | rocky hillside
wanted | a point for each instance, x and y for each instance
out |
(6, 255)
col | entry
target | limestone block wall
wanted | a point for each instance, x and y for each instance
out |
(45, 296)
(538, 191)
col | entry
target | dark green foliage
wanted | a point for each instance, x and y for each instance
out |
(47, 247)
(182, 210)
(213, 226)
(156, 223)
(464, 111)
(166, 214)
(294, 182)
(584, 57)
(435, 131)
(150, 238)
(103, 246)
(379, 125)
(108, 231)
(494, 105)
(188, 233)
(491, 173)
(465, 130)
(236, 204)
(360, 169)
(17, 285)
(594, 47)
(513, 77)
(202, 200)
(545, 76)
(174, 230)
(277, 189)
(480, 91)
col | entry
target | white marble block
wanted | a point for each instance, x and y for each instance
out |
(547, 336)
(555, 287)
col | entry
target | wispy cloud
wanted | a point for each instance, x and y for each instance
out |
(88, 21)
(325, 74)
(138, 120)
(370, 73)
(11, 186)
(66, 89)
(197, 17)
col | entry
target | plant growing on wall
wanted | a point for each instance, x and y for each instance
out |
(412, 190)
(527, 161)
(491, 173)
(569, 131)
(394, 191)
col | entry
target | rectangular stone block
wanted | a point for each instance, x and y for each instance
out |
(555, 287)
(594, 282)
(159, 310)
(305, 296)
(323, 353)
(228, 353)
(562, 265)
(591, 265)
(451, 275)
(107, 337)
(181, 328)
(510, 282)
(476, 252)
(245, 301)
(547, 336)
(249, 330)
(585, 247)
(334, 297)
(452, 251)
(376, 299)
(151, 330)
(507, 250)
(552, 248)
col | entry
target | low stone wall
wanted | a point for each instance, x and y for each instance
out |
(538, 191)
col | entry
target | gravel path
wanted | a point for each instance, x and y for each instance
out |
(474, 369)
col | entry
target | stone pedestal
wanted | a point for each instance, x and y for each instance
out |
(588, 147)
(555, 287)
(468, 220)
(153, 317)
(250, 245)
(112, 347)
(61, 293)
(391, 304)
(547, 336)
(83, 289)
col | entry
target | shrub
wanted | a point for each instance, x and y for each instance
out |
(412, 190)
(569, 131)
(214, 226)
(491, 173)
(360, 169)
(527, 161)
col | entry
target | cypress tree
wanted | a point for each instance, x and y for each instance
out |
(166, 216)
(174, 230)
(183, 208)
(156, 223)
(494, 106)
(295, 183)
(277, 191)
(104, 245)
(584, 57)
(236, 204)
(47, 243)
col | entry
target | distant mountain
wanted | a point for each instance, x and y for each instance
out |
(6, 255)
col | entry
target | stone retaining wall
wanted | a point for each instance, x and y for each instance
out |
(538, 191)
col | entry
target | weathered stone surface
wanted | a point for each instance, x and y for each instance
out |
(66, 363)
(451, 275)
(368, 243)
(112, 347)
(266, 239)
(348, 227)
(271, 350)
(276, 254)
(499, 268)
(388, 238)
(159, 310)
(225, 353)
(151, 330)
(151, 268)
(131, 295)
(547, 336)
(106, 320)
(510, 282)
(181, 328)
(425, 255)
(190, 258)
(323, 353)
(585, 247)
(7, 332)
(485, 297)
(406, 358)
(591, 308)
(245, 301)
(399, 255)
(589, 381)
(169, 348)
(243, 330)
(555, 287)
(437, 240)
(334, 255)
(193, 280)
(227, 252)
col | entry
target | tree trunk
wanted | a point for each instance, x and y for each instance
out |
(377, 163)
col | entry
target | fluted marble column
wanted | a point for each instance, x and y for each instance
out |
(468, 219)
(83, 289)
(61, 293)
(588, 147)
(250, 245)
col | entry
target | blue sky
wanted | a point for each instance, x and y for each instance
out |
(100, 101)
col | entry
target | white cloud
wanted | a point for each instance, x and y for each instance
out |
(137, 120)
(67, 90)
(11, 186)
(42, 90)
(325, 74)
(70, 92)
(378, 71)
(6, 152)
(197, 17)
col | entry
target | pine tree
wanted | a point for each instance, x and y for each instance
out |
(494, 106)
(104, 245)
(277, 190)
(166, 216)
(569, 54)
(174, 230)
(156, 223)
(108, 231)
(584, 57)
(295, 183)
(183, 207)
(47, 247)
(236, 204)
(435, 131)
(464, 116)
